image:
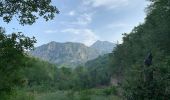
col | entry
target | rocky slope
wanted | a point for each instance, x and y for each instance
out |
(70, 54)
(103, 47)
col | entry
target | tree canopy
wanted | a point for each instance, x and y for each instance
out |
(13, 47)
(142, 82)
(27, 11)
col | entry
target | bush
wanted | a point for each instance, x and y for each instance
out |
(21, 95)
(110, 91)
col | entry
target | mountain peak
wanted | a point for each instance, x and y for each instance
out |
(103, 46)
(70, 53)
(99, 41)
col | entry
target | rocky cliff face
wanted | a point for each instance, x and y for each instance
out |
(103, 47)
(68, 54)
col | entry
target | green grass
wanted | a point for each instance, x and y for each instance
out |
(52, 96)
(89, 94)
(69, 95)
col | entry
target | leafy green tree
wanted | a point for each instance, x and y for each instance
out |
(13, 47)
(99, 71)
(153, 35)
(13, 56)
(27, 11)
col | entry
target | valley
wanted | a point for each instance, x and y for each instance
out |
(60, 50)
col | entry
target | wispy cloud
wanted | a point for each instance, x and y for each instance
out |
(86, 36)
(80, 20)
(83, 19)
(118, 25)
(106, 3)
(50, 31)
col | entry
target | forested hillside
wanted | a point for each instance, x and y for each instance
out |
(79, 83)
(42, 76)
(139, 81)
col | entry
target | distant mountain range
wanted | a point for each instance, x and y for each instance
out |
(71, 54)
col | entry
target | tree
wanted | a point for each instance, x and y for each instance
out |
(153, 35)
(13, 47)
(27, 11)
(13, 56)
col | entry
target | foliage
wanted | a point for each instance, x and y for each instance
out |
(12, 55)
(14, 46)
(27, 11)
(153, 35)
(99, 70)
(21, 94)
(42, 76)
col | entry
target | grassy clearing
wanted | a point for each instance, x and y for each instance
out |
(69, 95)
(88, 94)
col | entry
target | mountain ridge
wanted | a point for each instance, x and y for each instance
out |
(68, 53)
(103, 47)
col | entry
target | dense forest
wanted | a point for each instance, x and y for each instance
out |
(26, 78)
(139, 81)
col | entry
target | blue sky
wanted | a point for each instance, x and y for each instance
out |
(85, 21)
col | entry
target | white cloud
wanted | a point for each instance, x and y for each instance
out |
(72, 13)
(71, 30)
(85, 36)
(119, 25)
(50, 31)
(83, 19)
(106, 3)
(80, 20)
